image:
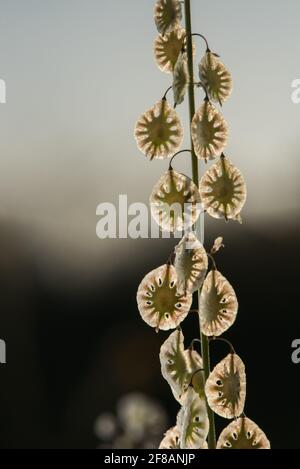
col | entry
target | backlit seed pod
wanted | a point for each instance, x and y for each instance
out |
(215, 77)
(180, 79)
(170, 439)
(192, 421)
(167, 15)
(218, 304)
(175, 202)
(223, 190)
(225, 387)
(159, 303)
(190, 263)
(174, 364)
(167, 49)
(209, 132)
(243, 434)
(196, 373)
(158, 132)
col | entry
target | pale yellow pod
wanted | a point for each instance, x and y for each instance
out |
(159, 303)
(223, 190)
(158, 132)
(243, 433)
(196, 373)
(215, 77)
(225, 387)
(170, 439)
(192, 421)
(218, 304)
(180, 79)
(167, 49)
(167, 15)
(191, 263)
(209, 132)
(175, 202)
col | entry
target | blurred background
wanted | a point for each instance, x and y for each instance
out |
(78, 75)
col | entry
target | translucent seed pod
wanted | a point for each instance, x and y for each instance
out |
(180, 79)
(191, 263)
(158, 132)
(225, 387)
(167, 49)
(174, 364)
(192, 421)
(223, 190)
(209, 132)
(218, 304)
(159, 303)
(196, 373)
(175, 202)
(243, 434)
(215, 77)
(170, 439)
(167, 15)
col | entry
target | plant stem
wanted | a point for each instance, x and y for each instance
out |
(195, 175)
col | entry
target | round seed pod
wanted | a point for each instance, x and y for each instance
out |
(225, 387)
(159, 303)
(175, 202)
(192, 421)
(158, 132)
(167, 49)
(180, 79)
(215, 77)
(174, 364)
(223, 190)
(167, 15)
(190, 263)
(218, 304)
(209, 132)
(170, 439)
(243, 434)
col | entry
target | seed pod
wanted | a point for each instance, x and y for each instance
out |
(174, 364)
(218, 244)
(196, 373)
(159, 303)
(167, 15)
(158, 132)
(167, 49)
(175, 202)
(223, 190)
(218, 304)
(170, 439)
(180, 79)
(225, 387)
(243, 434)
(192, 421)
(209, 132)
(215, 77)
(190, 263)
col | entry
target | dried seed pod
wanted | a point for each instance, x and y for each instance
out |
(215, 77)
(158, 132)
(225, 387)
(218, 304)
(192, 421)
(180, 79)
(218, 244)
(167, 15)
(167, 49)
(243, 434)
(209, 132)
(175, 202)
(159, 303)
(190, 263)
(223, 190)
(196, 375)
(170, 439)
(174, 364)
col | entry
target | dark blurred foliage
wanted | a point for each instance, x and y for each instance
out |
(72, 353)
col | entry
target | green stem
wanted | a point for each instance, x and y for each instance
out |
(204, 339)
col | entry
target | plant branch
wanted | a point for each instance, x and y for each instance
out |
(204, 339)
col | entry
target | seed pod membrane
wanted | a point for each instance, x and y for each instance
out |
(243, 434)
(167, 15)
